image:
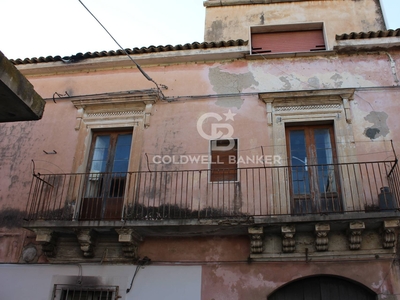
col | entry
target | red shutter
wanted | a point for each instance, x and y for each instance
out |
(291, 41)
(224, 163)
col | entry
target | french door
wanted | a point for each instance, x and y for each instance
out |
(107, 172)
(314, 180)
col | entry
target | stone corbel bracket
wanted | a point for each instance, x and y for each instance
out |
(147, 113)
(288, 241)
(355, 234)
(48, 239)
(321, 236)
(130, 242)
(389, 233)
(87, 241)
(256, 239)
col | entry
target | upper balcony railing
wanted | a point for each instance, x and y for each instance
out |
(262, 191)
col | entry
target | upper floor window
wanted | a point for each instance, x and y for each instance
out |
(291, 38)
(106, 177)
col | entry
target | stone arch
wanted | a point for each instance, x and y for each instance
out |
(323, 287)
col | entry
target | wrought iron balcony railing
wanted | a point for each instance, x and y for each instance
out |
(261, 191)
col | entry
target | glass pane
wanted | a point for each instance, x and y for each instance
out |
(298, 161)
(326, 174)
(122, 152)
(323, 146)
(100, 154)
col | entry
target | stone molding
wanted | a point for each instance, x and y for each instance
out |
(87, 241)
(48, 239)
(329, 101)
(355, 234)
(115, 109)
(129, 240)
(256, 239)
(288, 241)
(389, 233)
(321, 236)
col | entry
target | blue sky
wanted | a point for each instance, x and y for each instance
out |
(64, 27)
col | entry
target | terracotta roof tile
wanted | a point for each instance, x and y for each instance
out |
(133, 51)
(368, 35)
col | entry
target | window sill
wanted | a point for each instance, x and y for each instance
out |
(290, 54)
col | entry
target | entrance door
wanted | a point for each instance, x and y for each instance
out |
(106, 178)
(314, 176)
(323, 288)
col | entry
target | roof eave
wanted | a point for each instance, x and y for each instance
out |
(147, 59)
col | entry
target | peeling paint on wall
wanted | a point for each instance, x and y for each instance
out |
(216, 31)
(227, 83)
(379, 128)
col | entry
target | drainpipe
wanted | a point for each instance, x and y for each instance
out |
(393, 67)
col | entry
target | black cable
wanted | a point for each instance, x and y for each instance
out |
(126, 53)
(141, 263)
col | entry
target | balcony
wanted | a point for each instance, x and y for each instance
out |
(111, 213)
(266, 194)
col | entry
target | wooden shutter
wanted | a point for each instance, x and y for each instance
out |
(290, 41)
(224, 163)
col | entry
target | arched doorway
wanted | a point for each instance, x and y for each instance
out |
(323, 288)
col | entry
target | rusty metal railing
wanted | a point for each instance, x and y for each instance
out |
(262, 191)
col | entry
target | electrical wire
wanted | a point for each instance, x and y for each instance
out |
(141, 263)
(125, 52)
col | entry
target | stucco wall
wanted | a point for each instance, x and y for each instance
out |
(151, 282)
(191, 93)
(230, 280)
(228, 22)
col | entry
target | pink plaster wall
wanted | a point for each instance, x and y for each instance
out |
(258, 280)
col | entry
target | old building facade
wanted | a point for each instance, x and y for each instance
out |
(259, 164)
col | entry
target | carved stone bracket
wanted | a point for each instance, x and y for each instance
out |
(389, 233)
(48, 239)
(355, 234)
(130, 242)
(87, 240)
(288, 241)
(147, 113)
(321, 236)
(256, 239)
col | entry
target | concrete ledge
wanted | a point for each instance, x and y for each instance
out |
(18, 99)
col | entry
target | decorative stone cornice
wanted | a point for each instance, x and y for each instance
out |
(127, 107)
(327, 94)
(309, 101)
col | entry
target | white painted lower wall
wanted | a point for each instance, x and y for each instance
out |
(151, 282)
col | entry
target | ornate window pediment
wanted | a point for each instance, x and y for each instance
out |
(304, 104)
(115, 109)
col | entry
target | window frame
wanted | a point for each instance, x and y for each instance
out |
(59, 290)
(287, 28)
(315, 200)
(302, 107)
(106, 205)
(110, 111)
